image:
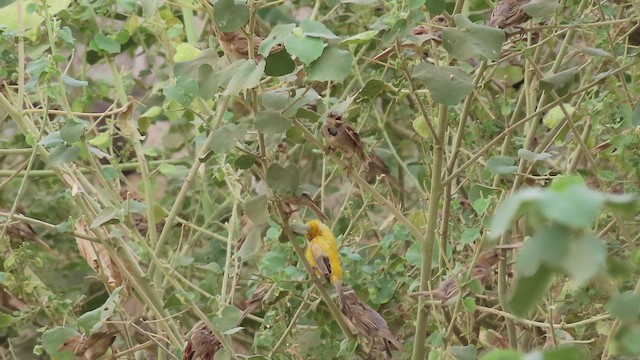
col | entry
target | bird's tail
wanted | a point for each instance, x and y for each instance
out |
(364, 157)
(341, 293)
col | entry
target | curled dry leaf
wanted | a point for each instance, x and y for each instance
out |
(97, 256)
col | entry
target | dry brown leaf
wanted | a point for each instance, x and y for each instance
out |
(98, 258)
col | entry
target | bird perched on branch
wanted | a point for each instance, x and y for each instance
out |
(90, 348)
(482, 270)
(508, 13)
(236, 45)
(368, 322)
(21, 231)
(421, 35)
(341, 136)
(202, 344)
(139, 220)
(322, 255)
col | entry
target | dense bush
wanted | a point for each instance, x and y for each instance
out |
(158, 158)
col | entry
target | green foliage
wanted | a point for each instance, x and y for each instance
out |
(523, 138)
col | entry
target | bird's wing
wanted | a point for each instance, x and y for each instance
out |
(323, 263)
(351, 132)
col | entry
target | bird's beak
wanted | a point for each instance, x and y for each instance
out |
(299, 228)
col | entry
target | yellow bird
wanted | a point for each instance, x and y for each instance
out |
(322, 254)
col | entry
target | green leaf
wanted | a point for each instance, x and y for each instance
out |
(104, 43)
(52, 140)
(228, 318)
(626, 340)
(361, 38)
(271, 122)
(415, 4)
(469, 236)
(420, 126)
(5, 320)
(53, 338)
(257, 209)
(447, 85)
(63, 154)
(69, 81)
(498, 354)
(30, 18)
(307, 49)
(552, 118)
(625, 204)
(251, 244)
(480, 205)
(277, 36)
(184, 91)
(65, 34)
(316, 29)
(93, 320)
(371, 90)
(576, 206)
(559, 80)
(586, 257)
(540, 8)
(468, 352)
(103, 140)
(625, 306)
(436, 7)
(414, 254)
(469, 304)
(229, 15)
(283, 180)
(595, 52)
(569, 352)
(224, 139)
(186, 52)
(468, 40)
(247, 76)
(532, 156)
(510, 208)
(108, 215)
(73, 130)
(244, 162)
(295, 135)
(279, 64)
(501, 165)
(529, 290)
(549, 247)
(333, 65)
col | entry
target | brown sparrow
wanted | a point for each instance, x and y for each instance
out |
(423, 34)
(139, 220)
(90, 348)
(22, 231)
(201, 344)
(482, 270)
(343, 137)
(508, 13)
(368, 322)
(236, 45)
